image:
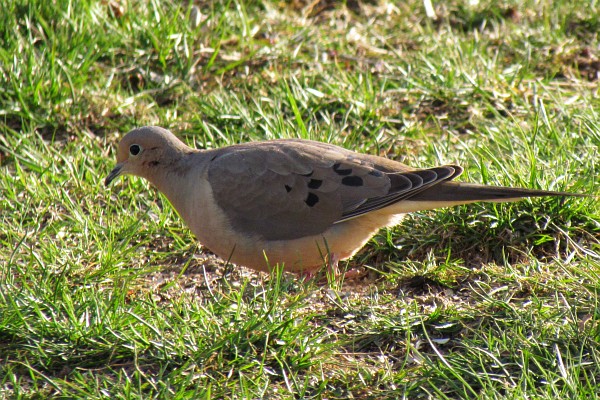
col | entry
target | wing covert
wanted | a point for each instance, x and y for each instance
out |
(288, 189)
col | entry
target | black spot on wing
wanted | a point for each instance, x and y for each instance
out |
(311, 199)
(352, 181)
(341, 171)
(314, 183)
(288, 188)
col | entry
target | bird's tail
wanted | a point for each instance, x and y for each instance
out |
(459, 192)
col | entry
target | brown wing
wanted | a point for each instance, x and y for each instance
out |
(289, 189)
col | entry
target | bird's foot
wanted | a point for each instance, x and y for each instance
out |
(355, 273)
(332, 272)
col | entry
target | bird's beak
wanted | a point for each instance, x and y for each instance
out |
(113, 174)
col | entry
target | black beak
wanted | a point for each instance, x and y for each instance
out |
(113, 174)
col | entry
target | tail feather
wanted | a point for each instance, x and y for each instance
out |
(457, 192)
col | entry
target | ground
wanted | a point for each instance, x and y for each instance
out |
(105, 293)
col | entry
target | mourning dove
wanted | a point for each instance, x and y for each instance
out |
(297, 203)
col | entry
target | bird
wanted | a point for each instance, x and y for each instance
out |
(300, 204)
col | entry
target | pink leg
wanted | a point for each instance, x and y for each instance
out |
(334, 271)
(332, 265)
(306, 275)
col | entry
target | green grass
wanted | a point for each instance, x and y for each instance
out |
(105, 293)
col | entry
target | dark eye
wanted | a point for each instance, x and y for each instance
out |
(135, 149)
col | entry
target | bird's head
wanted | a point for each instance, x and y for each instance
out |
(145, 151)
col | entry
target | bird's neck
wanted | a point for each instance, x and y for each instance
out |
(179, 179)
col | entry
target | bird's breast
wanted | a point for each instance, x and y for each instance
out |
(212, 227)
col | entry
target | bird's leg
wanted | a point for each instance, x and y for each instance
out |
(332, 266)
(334, 270)
(355, 273)
(306, 275)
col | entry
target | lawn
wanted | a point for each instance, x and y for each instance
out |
(104, 292)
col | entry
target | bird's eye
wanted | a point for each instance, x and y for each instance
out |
(135, 149)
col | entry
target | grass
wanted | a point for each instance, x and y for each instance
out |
(105, 293)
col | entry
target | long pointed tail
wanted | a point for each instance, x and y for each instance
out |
(459, 192)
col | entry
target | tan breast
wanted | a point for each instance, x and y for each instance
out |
(305, 254)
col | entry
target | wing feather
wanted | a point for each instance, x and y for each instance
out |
(287, 189)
